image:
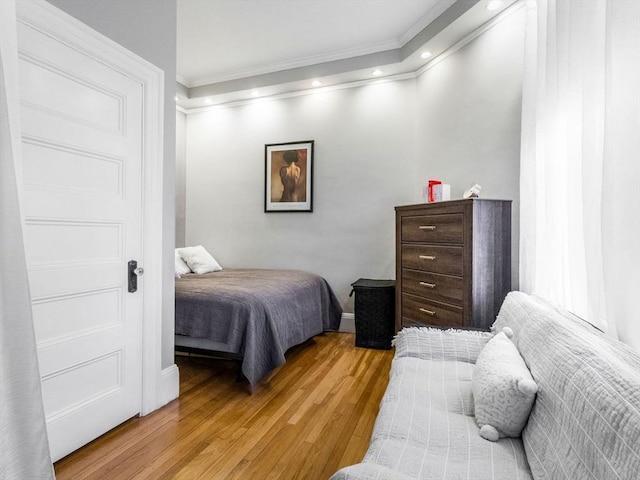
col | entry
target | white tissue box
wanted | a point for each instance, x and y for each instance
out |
(442, 192)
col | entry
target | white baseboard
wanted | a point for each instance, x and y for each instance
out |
(347, 323)
(169, 387)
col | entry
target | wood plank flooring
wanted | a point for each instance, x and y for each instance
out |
(311, 417)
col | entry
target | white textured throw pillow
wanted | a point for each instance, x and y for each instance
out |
(503, 389)
(181, 266)
(199, 260)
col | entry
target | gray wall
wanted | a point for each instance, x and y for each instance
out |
(376, 146)
(181, 180)
(364, 146)
(469, 119)
(147, 28)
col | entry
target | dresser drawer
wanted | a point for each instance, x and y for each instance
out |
(416, 310)
(442, 288)
(433, 258)
(433, 229)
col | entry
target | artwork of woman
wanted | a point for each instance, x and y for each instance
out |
(290, 176)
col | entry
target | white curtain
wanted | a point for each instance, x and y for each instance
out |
(24, 448)
(580, 160)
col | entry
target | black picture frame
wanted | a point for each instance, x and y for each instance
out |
(288, 177)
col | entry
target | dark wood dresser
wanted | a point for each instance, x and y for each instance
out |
(453, 262)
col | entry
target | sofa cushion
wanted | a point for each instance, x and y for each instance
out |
(585, 422)
(425, 428)
(503, 390)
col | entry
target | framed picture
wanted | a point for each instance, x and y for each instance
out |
(288, 177)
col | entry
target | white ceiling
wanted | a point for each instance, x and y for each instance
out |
(228, 49)
(222, 40)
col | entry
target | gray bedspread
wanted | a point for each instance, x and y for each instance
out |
(259, 314)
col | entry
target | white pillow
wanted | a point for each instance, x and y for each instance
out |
(199, 260)
(181, 266)
(503, 389)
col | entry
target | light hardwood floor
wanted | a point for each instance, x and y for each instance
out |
(311, 417)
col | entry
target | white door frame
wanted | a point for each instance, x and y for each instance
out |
(158, 386)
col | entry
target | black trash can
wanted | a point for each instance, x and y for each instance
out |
(374, 312)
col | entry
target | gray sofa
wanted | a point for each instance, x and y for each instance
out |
(584, 424)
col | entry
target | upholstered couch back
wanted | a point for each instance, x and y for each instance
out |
(585, 423)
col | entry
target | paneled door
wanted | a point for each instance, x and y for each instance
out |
(82, 173)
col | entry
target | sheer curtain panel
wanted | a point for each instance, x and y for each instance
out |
(580, 160)
(24, 449)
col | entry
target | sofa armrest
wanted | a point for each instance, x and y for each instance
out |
(429, 343)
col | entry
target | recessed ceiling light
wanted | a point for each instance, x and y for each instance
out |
(494, 5)
(425, 54)
(176, 98)
(316, 83)
(377, 72)
(208, 101)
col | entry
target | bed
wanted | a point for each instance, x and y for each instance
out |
(252, 315)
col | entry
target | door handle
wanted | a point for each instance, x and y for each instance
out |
(134, 273)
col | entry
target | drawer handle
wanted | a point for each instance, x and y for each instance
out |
(428, 285)
(427, 227)
(427, 257)
(428, 312)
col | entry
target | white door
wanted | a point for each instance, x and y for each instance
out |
(82, 156)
